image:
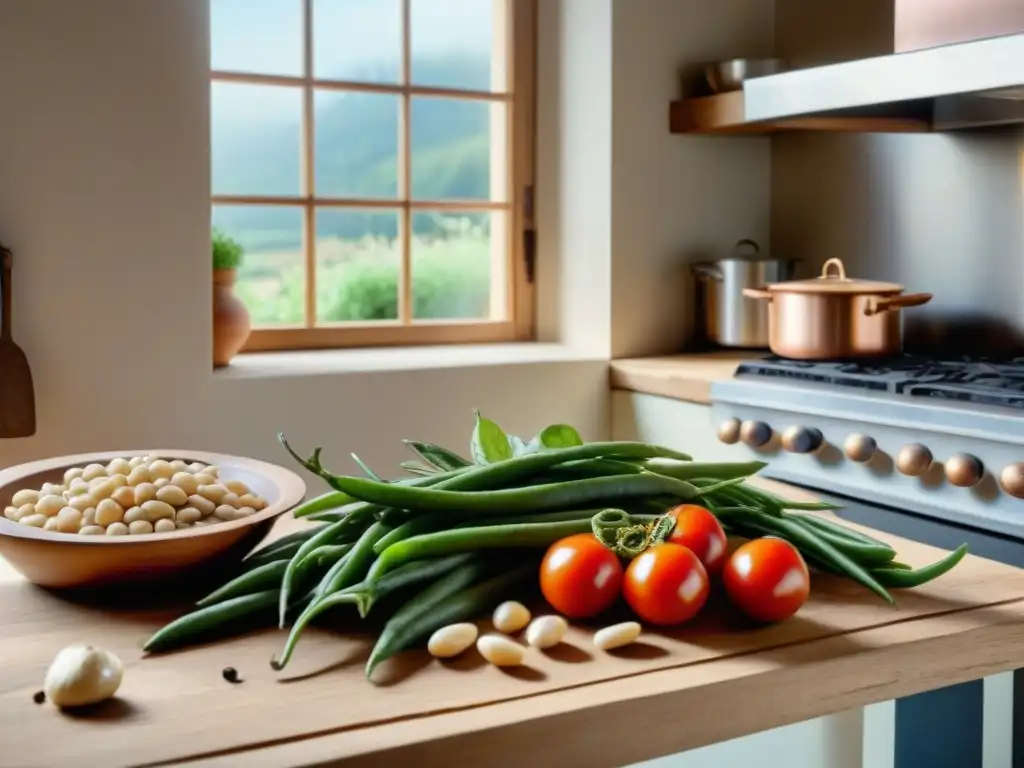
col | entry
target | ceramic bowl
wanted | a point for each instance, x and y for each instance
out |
(63, 560)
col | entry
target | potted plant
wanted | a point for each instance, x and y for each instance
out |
(231, 322)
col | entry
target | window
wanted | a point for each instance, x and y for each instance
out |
(374, 159)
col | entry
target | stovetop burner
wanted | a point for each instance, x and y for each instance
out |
(987, 381)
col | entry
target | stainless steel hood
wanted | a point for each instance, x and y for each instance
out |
(975, 83)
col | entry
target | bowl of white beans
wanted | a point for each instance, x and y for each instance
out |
(129, 516)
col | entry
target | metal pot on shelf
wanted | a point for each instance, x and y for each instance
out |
(835, 317)
(730, 319)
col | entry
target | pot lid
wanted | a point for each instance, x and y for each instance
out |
(833, 279)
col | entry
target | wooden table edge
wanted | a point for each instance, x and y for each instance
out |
(680, 377)
(663, 712)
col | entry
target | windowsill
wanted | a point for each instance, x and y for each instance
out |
(322, 362)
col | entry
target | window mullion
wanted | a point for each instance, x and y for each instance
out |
(405, 171)
(308, 164)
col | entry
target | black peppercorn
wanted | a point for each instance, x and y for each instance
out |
(231, 675)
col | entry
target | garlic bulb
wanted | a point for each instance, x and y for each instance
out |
(81, 675)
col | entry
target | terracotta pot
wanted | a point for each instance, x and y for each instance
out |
(231, 323)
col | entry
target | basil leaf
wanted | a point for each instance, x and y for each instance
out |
(559, 436)
(437, 456)
(519, 446)
(490, 443)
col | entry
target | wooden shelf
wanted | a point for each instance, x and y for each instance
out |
(725, 114)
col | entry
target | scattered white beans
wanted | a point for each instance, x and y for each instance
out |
(137, 495)
(617, 635)
(510, 617)
(81, 675)
(500, 651)
(452, 640)
(546, 631)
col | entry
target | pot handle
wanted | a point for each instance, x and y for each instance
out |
(757, 293)
(707, 271)
(877, 306)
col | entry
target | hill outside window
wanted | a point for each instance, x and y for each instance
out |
(375, 160)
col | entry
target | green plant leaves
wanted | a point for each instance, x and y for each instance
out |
(489, 443)
(559, 436)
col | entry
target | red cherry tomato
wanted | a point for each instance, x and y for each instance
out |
(767, 579)
(666, 585)
(699, 531)
(580, 577)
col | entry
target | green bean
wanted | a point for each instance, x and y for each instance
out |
(195, 625)
(322, 503)
(807, 541)
(444, 602)
(413, 527)
(438, 456)
(364, 595)
(286, 553)
(898, 578)
(300, 536)
(541, 517)
(870, 555)
(737, 495)
(353, 566)
(257, 580)
(326, 517)
(472, 539)
(328, 554)
(810, 506)
(827, 525)
(688, 470)
(297, 567)
(418, 468)
(534, 499)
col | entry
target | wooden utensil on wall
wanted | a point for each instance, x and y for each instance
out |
(17, 397)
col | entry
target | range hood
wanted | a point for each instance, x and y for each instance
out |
(962, 85)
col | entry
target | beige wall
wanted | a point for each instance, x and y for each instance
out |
(104, 185)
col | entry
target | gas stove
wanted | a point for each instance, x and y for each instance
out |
(940, 437)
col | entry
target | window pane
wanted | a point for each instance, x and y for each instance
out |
(271, 280)
(256, 137)
(358, 256)
(455, 153)
(358, 40)
(261, 36)
(356, 144)
(451, 264)
(452, 43)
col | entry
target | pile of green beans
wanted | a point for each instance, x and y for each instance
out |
(454, 540)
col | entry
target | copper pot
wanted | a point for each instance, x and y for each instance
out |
(833, 316)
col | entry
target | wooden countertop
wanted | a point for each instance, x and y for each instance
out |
(574, 705)
(684, 377)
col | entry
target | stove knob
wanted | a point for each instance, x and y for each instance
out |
(913, 460)
(964, 470)
(755, 433)
(860, 448)
(802, 439)
(1011, 479)
(729, 431)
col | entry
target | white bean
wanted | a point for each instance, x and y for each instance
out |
(11, 513)
(119, 467)
(250, 500)
(160, 482)
(52, 525)
(161, 468)
(203, 478)
(125, 496)
(140, 527)
(213, 492)
(196, 467)
(236, 486)
(117, 529)
(186, 482)
(35, 521)
(26, 510)
(226, 513)
(187, 515)
(144, 492)
(179, 526)
(510, 617)
(546, 631)
(109, 511)
(500, 651)
(119, 481)
(52, 489)
(92, 530)
(178, 465)
(82, 502)
(173, 495)
(103, 490)
(69, 520)
(136, 461)
(139, 475)
(71, 474)
(93, 471)
(157, 510)
(230, 499)
(244, 512)
(89, 517)
(452, 640)
(76, 489)
(25, 496)
(133, 514)
(207, 521)
(212, 470)
(617, 635)
(203, 504)
(164, 526)
(50, 505)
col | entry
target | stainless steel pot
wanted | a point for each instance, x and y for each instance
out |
(729, 318)
(834, 317)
